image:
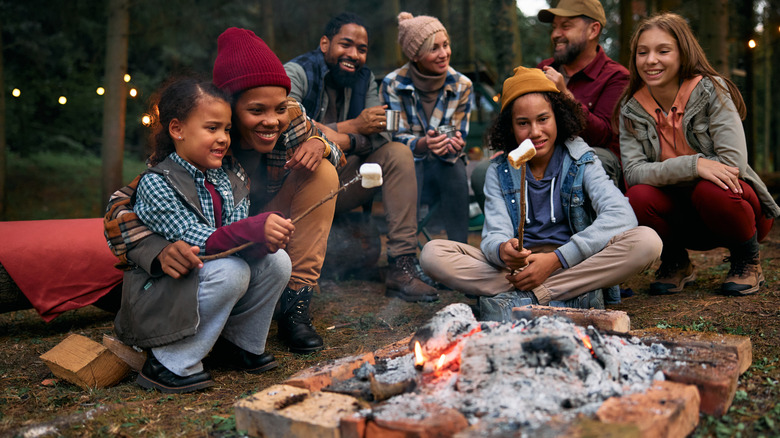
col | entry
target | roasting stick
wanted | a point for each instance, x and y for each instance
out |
(370, 175)
(517, 159)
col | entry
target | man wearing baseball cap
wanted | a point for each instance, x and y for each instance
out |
(580, 67)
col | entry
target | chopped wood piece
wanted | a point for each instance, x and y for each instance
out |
(86, 363)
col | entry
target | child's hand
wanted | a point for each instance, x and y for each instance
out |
(278, 231)
(513, 256)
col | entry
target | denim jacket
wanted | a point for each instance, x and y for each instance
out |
(594, 207)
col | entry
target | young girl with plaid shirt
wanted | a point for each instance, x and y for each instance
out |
(192, 194)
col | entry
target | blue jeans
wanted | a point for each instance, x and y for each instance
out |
(236, 300)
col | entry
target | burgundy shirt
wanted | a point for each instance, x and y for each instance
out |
(598, 87)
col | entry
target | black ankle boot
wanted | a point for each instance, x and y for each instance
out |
(295, 327)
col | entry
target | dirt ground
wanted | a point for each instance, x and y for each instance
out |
(364, 321)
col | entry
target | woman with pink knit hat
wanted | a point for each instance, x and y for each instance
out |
(291, 167)
(435, 103)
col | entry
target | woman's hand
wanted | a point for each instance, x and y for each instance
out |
(278, 232)
(723, 176)
(308, 155)
(540, 267)
(438, 144)
(513, 256)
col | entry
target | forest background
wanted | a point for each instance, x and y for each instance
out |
(56, 56)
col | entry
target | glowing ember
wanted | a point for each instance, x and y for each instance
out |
(440, 363)
(418, 357)
(585, 341)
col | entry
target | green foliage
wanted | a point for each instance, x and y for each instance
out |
(58, 185)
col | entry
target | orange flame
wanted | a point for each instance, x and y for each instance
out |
(440, 363)
(585, 341)
(419, 360)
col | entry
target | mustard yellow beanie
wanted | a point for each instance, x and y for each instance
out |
(524, 81)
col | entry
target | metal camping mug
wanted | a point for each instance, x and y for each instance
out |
(446, 129)
(393, 117)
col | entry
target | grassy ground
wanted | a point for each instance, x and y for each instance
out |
(29, 398)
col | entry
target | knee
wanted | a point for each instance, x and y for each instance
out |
(431, 254)
(647, 245)
(230, 275)
(325, 176)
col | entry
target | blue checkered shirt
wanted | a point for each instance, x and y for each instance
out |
(163, 211)
(452, 108)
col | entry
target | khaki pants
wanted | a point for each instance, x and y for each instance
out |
(399, 194)
(464, 268)
(301, 190)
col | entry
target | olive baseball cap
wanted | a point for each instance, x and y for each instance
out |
(575, 8)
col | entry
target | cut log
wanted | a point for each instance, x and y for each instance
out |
(320, 376)
(739, 345)
(605, 320)
(86, 363)
(289, 411)
(667, 409)
(135, 359)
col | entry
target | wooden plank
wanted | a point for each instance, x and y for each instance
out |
(739, 345)
(289, 411)
(606, 320)
(667, 409)
(134, 359)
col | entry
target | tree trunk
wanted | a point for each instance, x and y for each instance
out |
(505, 36)
(267, 17)
(3, 166)
(745, 23)
(115, 99)
(713, 32)
(626, 30)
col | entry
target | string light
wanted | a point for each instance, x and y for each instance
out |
(100, 91)
(752, 44)
(16, 92)
(127, 77)
(146, 120)
(62, 100)
(133, 92)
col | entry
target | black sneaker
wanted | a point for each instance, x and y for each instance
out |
(154, 375)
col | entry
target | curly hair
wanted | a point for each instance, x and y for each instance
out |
(569, 118)
(177, 98)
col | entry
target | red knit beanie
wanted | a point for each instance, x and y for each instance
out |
(245, 61)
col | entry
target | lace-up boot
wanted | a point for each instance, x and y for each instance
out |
(401, 282)
(295, 327)
(745, 276)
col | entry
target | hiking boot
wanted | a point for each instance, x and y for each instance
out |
(672, 277)
(402, 283)
(589, 300)
(295, 327)
(419, 273)
(744, 277)
(499, 306)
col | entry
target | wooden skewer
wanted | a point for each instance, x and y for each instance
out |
(327, 198)
(521, 225)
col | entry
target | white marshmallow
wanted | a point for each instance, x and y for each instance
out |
(522, 153)
(370, 175)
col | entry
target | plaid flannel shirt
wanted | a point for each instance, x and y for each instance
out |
(122, 228)
(452, 108)
(160, 208)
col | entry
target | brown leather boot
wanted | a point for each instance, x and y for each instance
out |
(745, 276)
(402, 283)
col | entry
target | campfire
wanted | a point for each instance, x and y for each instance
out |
(457, 374)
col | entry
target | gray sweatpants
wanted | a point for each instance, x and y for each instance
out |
(236, 300)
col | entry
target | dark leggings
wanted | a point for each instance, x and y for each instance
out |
(701, 216)
(447, 183)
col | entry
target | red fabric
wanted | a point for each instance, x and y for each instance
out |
(59, 265)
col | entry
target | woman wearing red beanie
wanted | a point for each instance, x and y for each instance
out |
(291, 167)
